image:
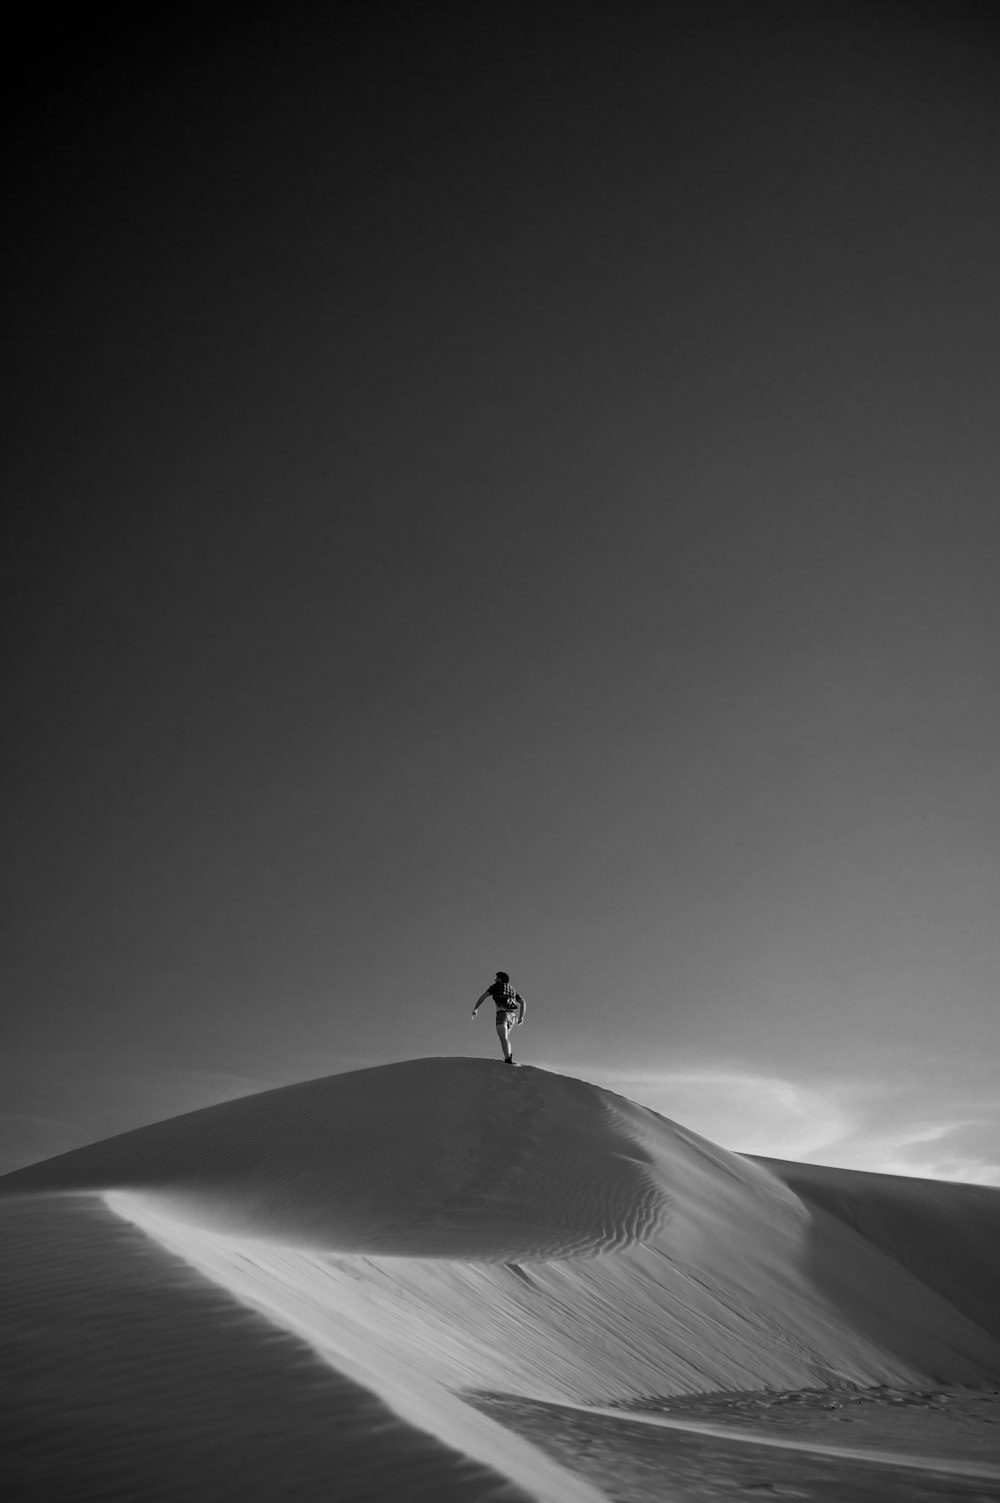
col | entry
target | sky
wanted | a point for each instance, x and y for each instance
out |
(508, 487)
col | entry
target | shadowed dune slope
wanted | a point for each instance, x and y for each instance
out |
(947, 1235)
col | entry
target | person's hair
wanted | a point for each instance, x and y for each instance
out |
(502, 976)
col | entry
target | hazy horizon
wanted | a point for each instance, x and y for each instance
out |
(491, 492)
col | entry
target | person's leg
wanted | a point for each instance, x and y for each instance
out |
(503, 1030)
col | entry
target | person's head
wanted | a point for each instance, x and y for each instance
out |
(502, 976)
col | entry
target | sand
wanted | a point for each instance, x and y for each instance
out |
(727, 1446)
(448, 1270)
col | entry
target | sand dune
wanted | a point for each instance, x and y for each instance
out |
(448, 1227)
(126, 1377)
(437, 1158)
(945, 1234)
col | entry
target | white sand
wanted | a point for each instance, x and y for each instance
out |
(448, 1225)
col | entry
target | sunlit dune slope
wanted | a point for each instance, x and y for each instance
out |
(453, 1222)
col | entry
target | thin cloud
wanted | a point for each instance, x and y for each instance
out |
(965, 1149)
(888, 1126)
(747, 1111)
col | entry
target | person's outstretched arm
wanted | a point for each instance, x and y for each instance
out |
(480, 1002)
(520, 1012)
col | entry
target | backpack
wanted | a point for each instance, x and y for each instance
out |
(504, 995)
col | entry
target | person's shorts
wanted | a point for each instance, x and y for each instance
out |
(503, 1016)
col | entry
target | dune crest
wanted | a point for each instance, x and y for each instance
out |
(442, 1158)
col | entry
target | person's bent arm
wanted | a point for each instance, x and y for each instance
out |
(520, 1013)
(480, 1002)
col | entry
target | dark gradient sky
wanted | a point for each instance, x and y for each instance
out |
(509, 487)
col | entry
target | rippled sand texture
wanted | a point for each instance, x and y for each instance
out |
(449, 1227)
(723, 1447)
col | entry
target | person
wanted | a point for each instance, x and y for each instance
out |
(508, 1002)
